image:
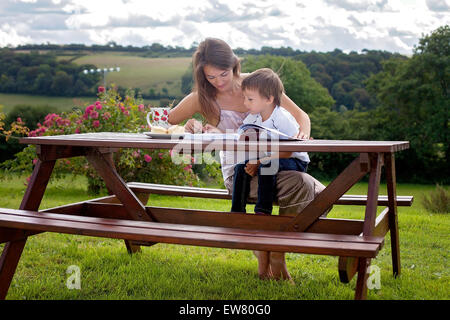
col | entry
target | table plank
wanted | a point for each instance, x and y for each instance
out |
(137, 140)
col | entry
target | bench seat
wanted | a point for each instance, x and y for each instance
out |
(233, 238)
(186, 191)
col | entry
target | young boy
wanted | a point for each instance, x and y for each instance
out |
(262, 92)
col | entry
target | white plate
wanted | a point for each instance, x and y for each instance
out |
(164, 135)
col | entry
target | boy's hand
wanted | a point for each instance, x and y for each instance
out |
(302, 135)
(211, 129)
(252, 168)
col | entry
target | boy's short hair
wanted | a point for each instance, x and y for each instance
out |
(267, 82)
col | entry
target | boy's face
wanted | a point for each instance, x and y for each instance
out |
(254, 102)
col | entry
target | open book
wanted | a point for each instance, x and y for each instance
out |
(253, 131)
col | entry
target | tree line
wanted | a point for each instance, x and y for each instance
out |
(44, 74)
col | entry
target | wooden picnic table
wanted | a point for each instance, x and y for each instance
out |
(124, 214)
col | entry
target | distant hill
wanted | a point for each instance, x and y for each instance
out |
(157, 74)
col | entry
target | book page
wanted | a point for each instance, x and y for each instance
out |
(212, 136)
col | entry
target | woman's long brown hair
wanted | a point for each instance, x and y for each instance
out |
(216, 53)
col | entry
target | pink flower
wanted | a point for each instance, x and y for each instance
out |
(160, 155)
(34, 161)
(96, 124)
(77, 130)
(19, 120)
(189, 166)
(49, 118)
(98, 106)
(141, 107)
(94, 114)
(101, 89)
(89, 109)
(147, 158)
(106, 115)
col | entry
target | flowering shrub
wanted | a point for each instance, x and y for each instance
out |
(110, 113)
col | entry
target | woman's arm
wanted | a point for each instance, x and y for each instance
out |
(300, 116)
(185, 109)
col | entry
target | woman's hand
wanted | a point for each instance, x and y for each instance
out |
(211, 129)
(193, 126)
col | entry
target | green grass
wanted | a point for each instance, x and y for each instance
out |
(63, 104)
(140, 72)
(185, 272)
(9, 100)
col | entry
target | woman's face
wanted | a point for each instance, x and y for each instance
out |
(221, 79)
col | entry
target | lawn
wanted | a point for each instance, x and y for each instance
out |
(185, 272)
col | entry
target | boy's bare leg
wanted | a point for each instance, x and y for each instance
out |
(279, 267)
(264, 270)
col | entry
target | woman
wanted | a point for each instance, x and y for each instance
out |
(217, 95)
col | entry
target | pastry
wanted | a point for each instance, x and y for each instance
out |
(175, 129)
(157, 129)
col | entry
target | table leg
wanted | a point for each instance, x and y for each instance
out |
(376, 162)
(104, 165)
(361, 282)
(31, 201)
(324, 200)
(392, 204)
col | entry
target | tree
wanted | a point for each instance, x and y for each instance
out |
(413, 95)
(62, 83)
(298, 84)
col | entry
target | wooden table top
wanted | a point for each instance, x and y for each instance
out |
(140, 140)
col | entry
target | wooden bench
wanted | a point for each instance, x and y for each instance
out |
(163, 189)
(232, 238)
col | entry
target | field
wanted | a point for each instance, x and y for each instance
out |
(61, 103)
(139, 72)
(183, 272)
(135, 72)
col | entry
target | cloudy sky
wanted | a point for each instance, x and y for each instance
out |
(321, 25)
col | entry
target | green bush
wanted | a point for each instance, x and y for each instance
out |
(110, 113)
(438, 200)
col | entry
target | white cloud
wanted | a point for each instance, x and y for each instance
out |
(438, 5)
(321, 25)
(10, 37)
